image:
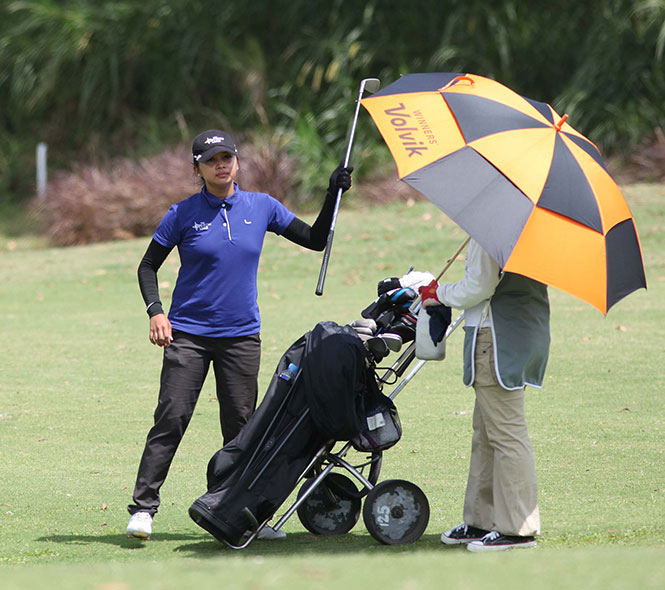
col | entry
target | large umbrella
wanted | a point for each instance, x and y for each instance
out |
(530, 189)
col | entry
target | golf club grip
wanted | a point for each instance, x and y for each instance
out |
(324, 263)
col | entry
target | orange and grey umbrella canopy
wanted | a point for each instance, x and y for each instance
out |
(511, 172)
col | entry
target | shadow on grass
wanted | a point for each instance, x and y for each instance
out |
(202, 546)
(205, 546)
(307, 543)
(121, 541)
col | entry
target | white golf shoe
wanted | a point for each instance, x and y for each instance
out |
(140, 525)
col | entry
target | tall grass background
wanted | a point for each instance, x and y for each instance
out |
(104, 79)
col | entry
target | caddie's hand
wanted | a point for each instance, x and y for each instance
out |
(161, 333)
(428, 294)
(340, 179)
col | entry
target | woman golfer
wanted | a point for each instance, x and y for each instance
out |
(214, 316)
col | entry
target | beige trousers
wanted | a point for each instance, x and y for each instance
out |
(501, 492)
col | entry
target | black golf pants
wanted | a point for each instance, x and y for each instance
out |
(186, 362)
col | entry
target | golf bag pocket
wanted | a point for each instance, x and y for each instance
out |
(383, 427)
(426, 328)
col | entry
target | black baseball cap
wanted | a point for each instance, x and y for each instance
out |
(211, 142)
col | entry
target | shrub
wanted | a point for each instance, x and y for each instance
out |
(128, 198)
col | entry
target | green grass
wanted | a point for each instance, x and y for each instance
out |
(78, 384)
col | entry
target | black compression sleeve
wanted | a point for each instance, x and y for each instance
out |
(315, 236)
(153, 258)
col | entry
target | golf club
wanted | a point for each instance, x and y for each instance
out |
(370, 85)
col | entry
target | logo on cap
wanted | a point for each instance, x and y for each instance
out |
(214, 139)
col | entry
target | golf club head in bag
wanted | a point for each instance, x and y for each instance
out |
(391, 310)
(379, 345)
(392, 315)
(382, 344)
(390, 300)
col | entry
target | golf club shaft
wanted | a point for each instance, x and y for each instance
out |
(331, 232)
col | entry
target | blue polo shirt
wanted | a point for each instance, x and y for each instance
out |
(219, 242)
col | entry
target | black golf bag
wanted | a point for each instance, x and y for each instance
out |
(324, 389)
(319, 391)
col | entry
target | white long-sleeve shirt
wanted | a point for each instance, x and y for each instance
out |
(481, 276)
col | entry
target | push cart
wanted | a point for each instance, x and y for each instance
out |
(282, 450)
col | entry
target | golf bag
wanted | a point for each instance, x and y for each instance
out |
(319, 392)
(323, 390)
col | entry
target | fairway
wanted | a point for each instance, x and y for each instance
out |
(78, 385)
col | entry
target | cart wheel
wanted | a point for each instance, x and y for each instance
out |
(396, 512)
(327, 512)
